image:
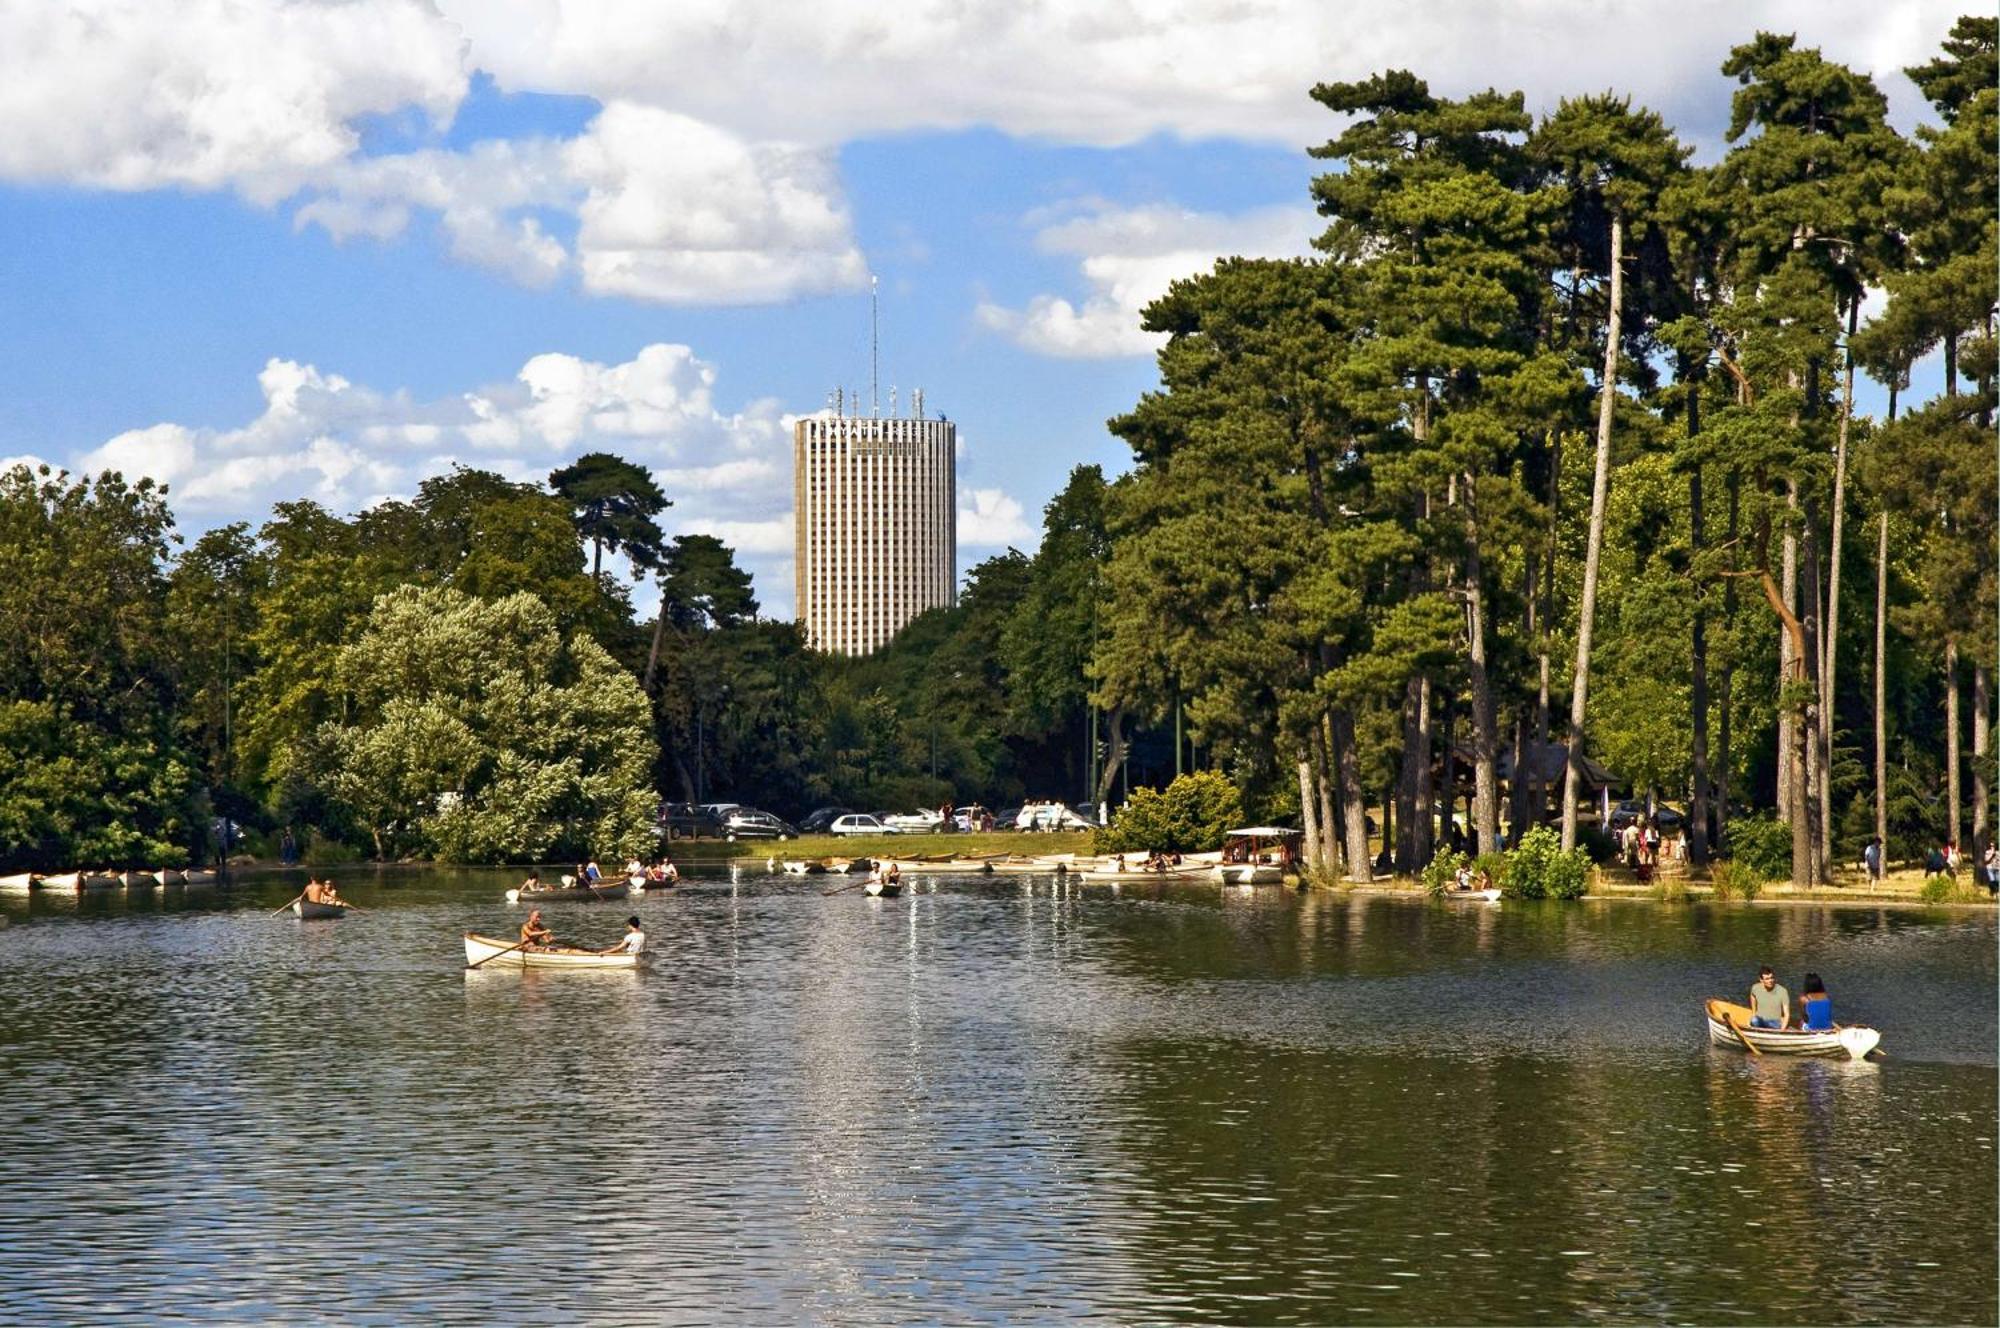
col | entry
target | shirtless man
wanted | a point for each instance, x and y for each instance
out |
(534, 935)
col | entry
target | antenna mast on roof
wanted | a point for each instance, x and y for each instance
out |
(874, 346)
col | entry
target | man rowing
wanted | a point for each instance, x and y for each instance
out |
(534, 935)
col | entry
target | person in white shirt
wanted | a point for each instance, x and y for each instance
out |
(633, 942)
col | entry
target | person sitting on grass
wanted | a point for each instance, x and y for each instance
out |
(1770, 1004)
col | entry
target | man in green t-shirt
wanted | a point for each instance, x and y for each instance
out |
(1770, 1004)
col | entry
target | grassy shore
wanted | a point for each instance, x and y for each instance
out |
(889, 846)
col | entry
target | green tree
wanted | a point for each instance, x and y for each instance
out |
(614, 503)
(474, 731)
(1192, 815)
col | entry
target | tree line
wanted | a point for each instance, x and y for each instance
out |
(1552, 446)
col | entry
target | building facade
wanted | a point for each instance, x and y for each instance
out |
(877, 536)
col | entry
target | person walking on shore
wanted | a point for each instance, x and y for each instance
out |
(1871, 857)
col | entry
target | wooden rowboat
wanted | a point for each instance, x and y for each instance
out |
(21, 881)
(502, 954)
(884, 889)
(558, 893)
(1115, 873)
(139, 880)
(313, 908)
(1247, 873)
(1729, 1026)
(797, 867)
(101, 881)
(62, 881)
(196, 878)
(942, 867)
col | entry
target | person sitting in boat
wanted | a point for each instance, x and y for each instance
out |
(895, 876)
(634, 940)
(534, 935)
(591, 875)
(667, 871)
(532, 884)
(1815, 1006)
(313, 894)
(329, 895)
(1770, 1004)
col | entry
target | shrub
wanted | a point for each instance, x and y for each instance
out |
(1539, 869)
(1950, 890)
(1442, 873)
(1736, 880)
(1192, 815)
(1761, 843)
(1670, 889)
(1596, 841)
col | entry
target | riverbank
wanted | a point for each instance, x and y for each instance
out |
(1902, 888)
(974, 845)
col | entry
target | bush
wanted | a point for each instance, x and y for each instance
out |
(1442, 873)
(1192, 815)
(1761, 843)
(1596, 841)
(1736, 880)
(1670, 889)
(1539, 869)
(1950, 890)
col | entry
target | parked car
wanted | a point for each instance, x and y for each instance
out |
(1007, 818)
(918, 822)
(860, 823)
(816, 822)
(1634, 809)
(1089, 812)
(1050, 816)
(749, 823)
(685, 820)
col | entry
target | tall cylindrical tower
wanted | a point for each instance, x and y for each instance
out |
(877, 533)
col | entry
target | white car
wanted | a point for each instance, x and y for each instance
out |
(860, 823)
(1050, 816)
(914, 822)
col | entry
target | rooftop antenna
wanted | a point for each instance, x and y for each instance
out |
(874, 346)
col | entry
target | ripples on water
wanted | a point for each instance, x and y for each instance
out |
(1006, 1100)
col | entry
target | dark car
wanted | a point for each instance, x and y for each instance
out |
(817, 822)
(749, 823)
(686, 820)
(1634, 809)
(1007, 818)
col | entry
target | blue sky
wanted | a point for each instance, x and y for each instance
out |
(276, 248)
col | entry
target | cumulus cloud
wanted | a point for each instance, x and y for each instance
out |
(991, 519)
(346, 445)
(1127, 257)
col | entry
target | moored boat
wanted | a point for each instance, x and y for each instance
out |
(100, 881)
(558, 893)
(314, 908)
(1247, 873)
(1490, 895)
(1113, 872)
(20, 881)
(943, 866)
(1729, 1026)
(62, 881)
(503, 954)
(195, 877)
(798, 867)
(139, 880)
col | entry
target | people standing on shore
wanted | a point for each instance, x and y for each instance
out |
(1871, 858)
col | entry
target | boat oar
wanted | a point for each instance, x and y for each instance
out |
(1742, 1037)
(497, 953)
(287, 904)
(841, 890)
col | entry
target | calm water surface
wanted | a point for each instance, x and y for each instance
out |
(1008, 1100)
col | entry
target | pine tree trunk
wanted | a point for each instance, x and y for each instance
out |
(1952, 804)
(1790, 771)
(1108, 777)
(1353, 804)
(1406, 786)
(1981, 745)
(1328, 759)
(1309, 818)
(1815, 785)
(1724, 700)
(1425, 829)
(1600, 489)
(1485, 723)
(1697, 831)
(1881, 685)
(1829, 710)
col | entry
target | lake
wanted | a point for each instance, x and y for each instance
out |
(993, 1100)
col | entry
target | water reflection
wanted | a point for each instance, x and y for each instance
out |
(1007, 1099)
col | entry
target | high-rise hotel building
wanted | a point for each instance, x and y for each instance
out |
(877, 538)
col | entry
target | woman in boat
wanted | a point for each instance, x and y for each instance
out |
(634, 940)
(1816, 1006)
(668, 872)
(534, 935)
(329, 895)
(895, 876)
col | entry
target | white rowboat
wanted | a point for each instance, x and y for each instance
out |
(1247, 873)
(20, 882)
(503, 955)
(558, 893)
(1729, 1026)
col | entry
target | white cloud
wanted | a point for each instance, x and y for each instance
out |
(1127, 258)
(208, 94)
(990, 519)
